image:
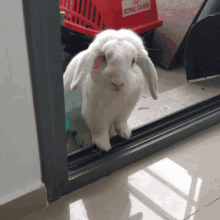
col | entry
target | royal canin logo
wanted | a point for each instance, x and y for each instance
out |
(136, 2)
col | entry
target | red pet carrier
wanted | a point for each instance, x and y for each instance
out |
(89, 17)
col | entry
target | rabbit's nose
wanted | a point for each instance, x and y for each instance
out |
(118, 86)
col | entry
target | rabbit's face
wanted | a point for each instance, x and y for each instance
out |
(115, 53)
(117, 60)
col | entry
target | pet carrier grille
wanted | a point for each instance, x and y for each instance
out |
(91, 16)
(82, 16)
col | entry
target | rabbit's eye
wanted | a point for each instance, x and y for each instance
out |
(104, 59)
(133, 61)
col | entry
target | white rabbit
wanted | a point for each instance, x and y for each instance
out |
(110, 89)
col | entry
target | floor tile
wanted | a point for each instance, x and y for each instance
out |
(181, 179)
(129, 208)
(158, 195)
(148, 110)
(191, 93)
(114, 201)
(211, 212)
(139, 211)
(107, 199)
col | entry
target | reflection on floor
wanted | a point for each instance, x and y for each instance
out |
(180, 182)
(175, 93)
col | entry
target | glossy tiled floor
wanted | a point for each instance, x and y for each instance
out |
(180, 182)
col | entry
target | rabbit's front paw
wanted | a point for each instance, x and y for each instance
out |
(102, 143)
(124, 131)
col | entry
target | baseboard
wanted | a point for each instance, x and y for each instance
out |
(25, 205)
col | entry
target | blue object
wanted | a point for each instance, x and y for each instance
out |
(67, 124)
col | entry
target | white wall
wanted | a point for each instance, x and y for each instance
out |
(19, 153)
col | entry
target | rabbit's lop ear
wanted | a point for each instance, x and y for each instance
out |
(149, 72)
(79, 67)
(143, 60)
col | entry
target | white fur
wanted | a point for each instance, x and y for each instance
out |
(110, 92)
